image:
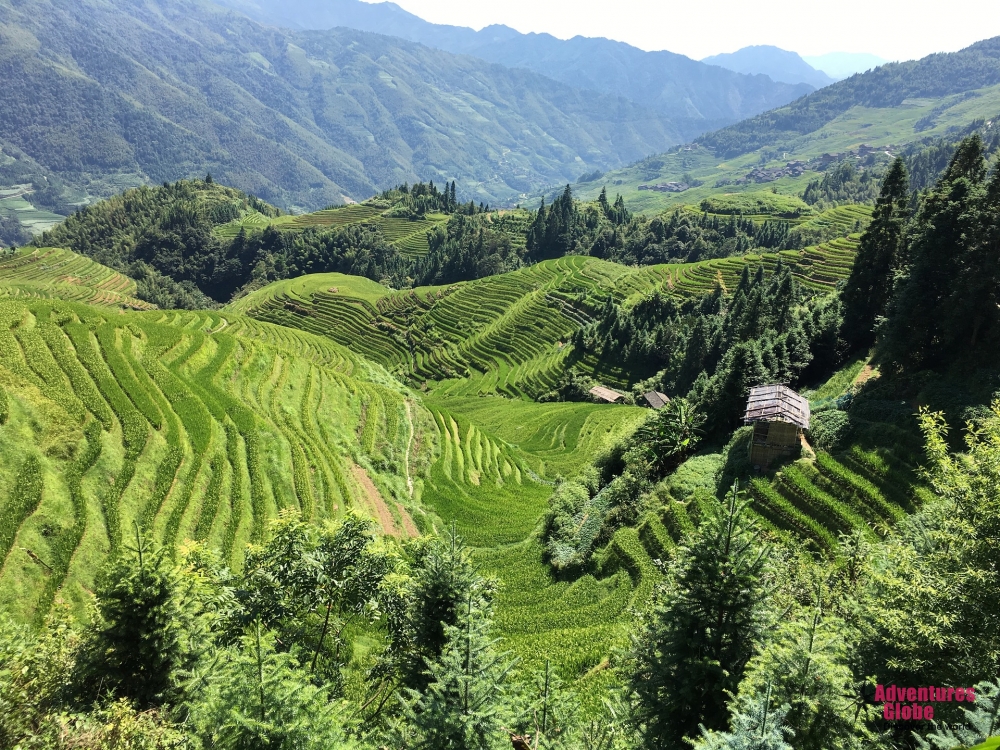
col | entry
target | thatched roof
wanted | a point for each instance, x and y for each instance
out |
(656, 399)
(777, 403)
(606, 394)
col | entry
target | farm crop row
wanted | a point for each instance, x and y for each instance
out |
(162, 392)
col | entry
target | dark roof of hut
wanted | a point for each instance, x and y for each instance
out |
(777, 403)
(656, 399)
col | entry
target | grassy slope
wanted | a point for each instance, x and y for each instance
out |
(409, 236)
(52, 273)
(889, 127)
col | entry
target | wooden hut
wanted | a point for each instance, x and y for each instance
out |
(778, 415)
(655, 399)
(601, 393)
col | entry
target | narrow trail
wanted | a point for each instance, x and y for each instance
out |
(409, 445)
(376, 503)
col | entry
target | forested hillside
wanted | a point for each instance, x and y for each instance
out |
(167, 89)
(696, 97)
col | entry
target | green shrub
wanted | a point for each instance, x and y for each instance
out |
(830, 429)
(697, 474)
(4, 407)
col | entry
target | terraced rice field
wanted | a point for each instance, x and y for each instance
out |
(185, 426)
(51, 273)
(506, 334)
(410, 237)
(866, 491)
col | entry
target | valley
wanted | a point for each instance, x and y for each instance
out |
(619, 432)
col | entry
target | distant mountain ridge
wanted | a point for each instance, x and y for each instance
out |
(776, 63)
(111, 94)
(697, 97)
(841, 65)
(938, 75)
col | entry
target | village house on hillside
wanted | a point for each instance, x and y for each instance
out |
(778, 415)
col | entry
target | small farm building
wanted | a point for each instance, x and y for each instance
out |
(778, 415)
(606, 394)
(656, 399)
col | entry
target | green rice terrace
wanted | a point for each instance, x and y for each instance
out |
(504, 334)
(408, 235)
(205, 425)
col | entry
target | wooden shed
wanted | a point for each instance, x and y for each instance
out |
(601, 393)
(778, 415)
(655, 399)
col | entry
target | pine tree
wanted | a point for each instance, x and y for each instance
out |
(136, 648)
(980, 722)
(924, 330)
(259, 698)
(463, 703)
(756, 725)
(443, 581)
(704, 629)
(869, 287)
(805, 666)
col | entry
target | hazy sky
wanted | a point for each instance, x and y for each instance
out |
(893, 29)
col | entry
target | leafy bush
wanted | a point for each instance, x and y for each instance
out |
(830, 429)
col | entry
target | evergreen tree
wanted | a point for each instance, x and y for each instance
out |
(756, 725)
(705, 628)
(940, 570)
(462, 704)
(259, 698)
(443, 580)
(869, 287)
(805, 667)
(979, 723)
(138, 646)
(946, 299)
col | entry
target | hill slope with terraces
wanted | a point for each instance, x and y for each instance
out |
(505, 334)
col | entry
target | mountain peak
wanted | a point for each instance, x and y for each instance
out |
(777, 64)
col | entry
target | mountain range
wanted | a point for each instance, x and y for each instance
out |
(105, 94)
(696, 97)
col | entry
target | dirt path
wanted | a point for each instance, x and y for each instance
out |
(409, 445)
(375, 502)
(408, 526)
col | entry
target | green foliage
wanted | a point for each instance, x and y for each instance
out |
(755, 725)
(462, 704)
(978, 724)
(24, 498)
(259, 698)
(869, 287)
(444, 585)
(141, 641)
(829, 429)
(309, 585)
(757, 203)
(944, 311)
(705, 628)
(937, 571)
(806, 669)
(4, 406)
(668, 436)
(844, 183)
